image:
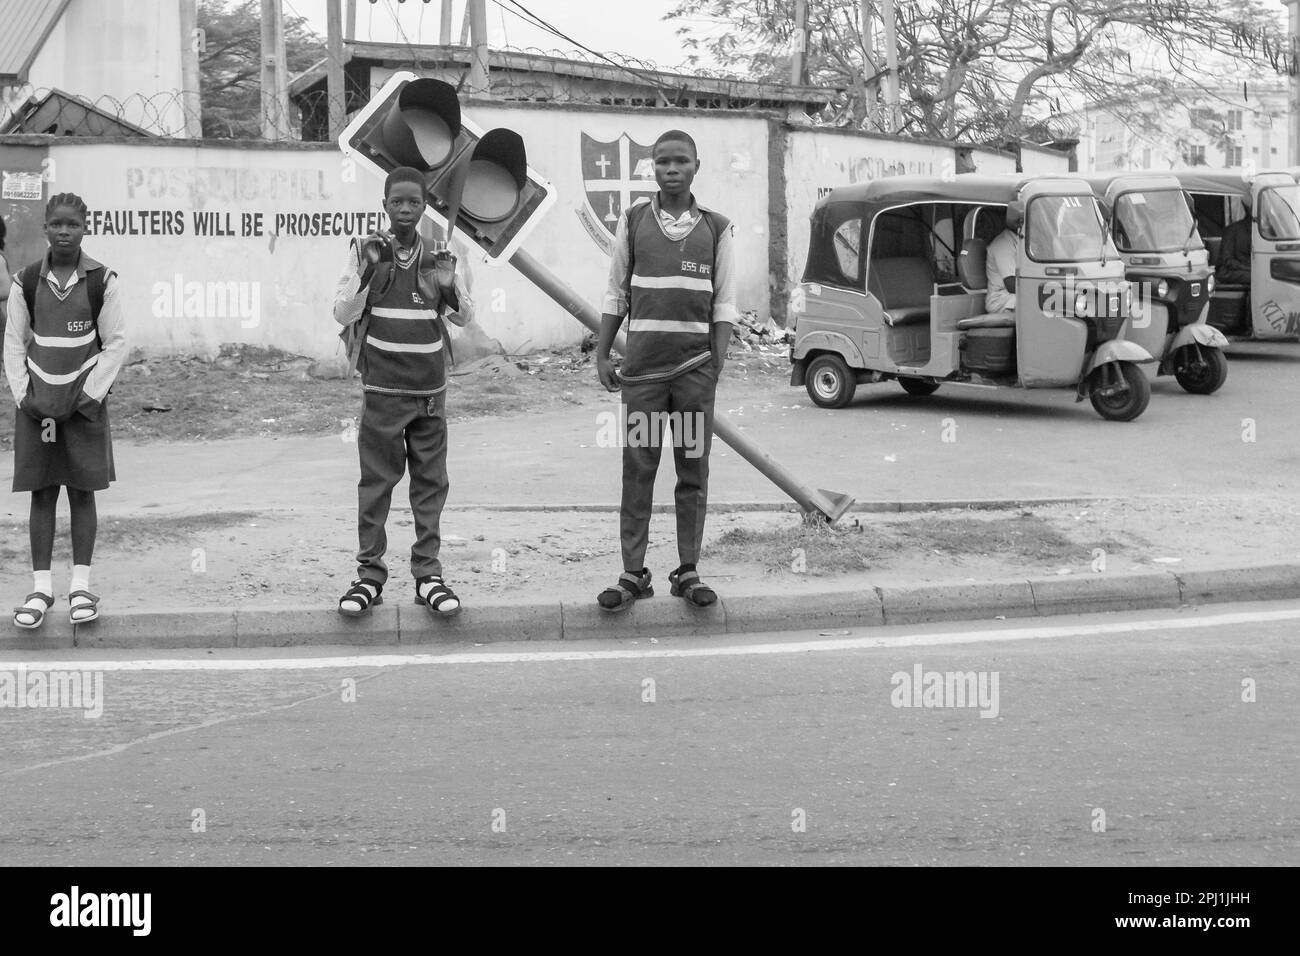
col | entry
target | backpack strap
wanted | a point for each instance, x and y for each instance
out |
(29, 277)
(96, 282)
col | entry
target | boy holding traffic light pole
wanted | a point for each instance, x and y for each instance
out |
(672, 274)
(390, 302)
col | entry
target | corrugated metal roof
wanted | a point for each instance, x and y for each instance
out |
(24, 27)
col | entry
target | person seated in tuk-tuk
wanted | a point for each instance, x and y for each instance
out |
(1233, 266)
(1000, 264)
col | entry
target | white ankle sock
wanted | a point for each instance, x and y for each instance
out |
(80, 578)
(44, 581)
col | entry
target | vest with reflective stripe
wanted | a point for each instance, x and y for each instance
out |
(671, 310)
(403, 350)
(64, 347)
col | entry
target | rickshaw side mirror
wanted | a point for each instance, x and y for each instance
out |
(1009, 282)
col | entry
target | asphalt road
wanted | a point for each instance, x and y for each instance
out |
(887, 445)
(1118, 739)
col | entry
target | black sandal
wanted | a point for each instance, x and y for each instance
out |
(33, 611)
(86, 602)
(437, 597)
(359, 594)
(629, 589)
(687, 584)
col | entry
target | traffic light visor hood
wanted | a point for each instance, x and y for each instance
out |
(423, 124)
(496, 176)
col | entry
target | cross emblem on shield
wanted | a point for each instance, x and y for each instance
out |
(614, 175)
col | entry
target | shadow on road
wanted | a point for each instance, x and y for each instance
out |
(955, 402)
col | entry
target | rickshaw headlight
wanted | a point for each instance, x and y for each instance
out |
(1162, 289)
(1209, 284)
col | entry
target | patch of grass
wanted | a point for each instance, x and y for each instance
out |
(1024, 538)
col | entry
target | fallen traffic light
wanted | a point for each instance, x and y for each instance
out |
(478, 182)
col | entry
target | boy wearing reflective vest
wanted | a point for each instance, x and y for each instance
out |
(390, 301)
(65, 342)
(672, 276)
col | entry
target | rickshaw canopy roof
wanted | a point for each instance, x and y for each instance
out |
(1103, 184)
(1223, 181)
(1231, 182)
(902, 190)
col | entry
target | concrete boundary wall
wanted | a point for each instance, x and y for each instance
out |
(242, 242)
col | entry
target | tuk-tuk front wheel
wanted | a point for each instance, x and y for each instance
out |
(830, 382)
(1121, 392)
(917, 386)
(1200, 369)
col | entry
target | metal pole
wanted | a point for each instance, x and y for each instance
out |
(335, 92)
(830, 505)
(191, 102)
(891, 63)
(1293, 84)
(444, 24)
(800, 43)
(351, 22)
(869, 86)
(275, 88)
(478, 64)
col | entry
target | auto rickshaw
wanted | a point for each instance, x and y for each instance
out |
(894, 288)
(1154, 229)
(1269, 308)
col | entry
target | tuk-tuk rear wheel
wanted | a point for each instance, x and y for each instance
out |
(829, 381)
(1122, 404)
(1202, 370)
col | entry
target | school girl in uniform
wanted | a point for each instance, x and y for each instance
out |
(64, 344)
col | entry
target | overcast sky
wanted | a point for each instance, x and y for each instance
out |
(637, 28)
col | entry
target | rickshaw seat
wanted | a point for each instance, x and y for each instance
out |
(972, 264)
(903, 284)
(1005, 319)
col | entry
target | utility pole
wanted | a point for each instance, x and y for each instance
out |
(444, 24)
(869, 86)
(891, 65)
(335, 92)
(191, 46)
(799, 41)
(1293, 84)
(478, 64)
(275, 84)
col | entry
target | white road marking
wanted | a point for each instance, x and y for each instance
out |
(735, 650)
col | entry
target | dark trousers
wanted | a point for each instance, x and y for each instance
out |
(397, 430)
(650, 407)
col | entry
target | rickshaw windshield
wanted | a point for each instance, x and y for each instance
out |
(1279, 212)
(1156, 220)
(1066, 229)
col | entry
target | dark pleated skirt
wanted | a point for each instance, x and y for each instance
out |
(80, 454)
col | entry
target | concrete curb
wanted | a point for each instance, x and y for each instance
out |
(664, 616)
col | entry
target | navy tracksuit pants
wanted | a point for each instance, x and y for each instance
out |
(400, 433)
(689, 394)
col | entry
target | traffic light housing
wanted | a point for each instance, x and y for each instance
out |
(479, 182)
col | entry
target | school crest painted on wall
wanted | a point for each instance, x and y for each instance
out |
(614, 175)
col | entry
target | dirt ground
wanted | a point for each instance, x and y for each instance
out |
(246, 559)
(248, 392)
(305, 557)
